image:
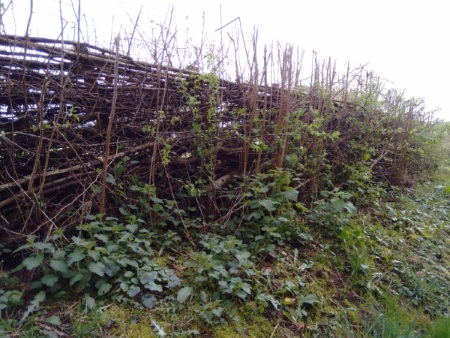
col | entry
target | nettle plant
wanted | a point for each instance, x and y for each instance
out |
(223, 266)
(106, 258)
(271, 213)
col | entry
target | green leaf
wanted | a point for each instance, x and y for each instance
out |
(97, 268)
(34, 305)
(33, 261)
(89, 301)
(58, 265)
(149, 301)
(102, 237)
(111, 268)
(310, 299)
(75, 256)
(126, 261)
(159, 330)
(48, 247)
(183, 294)
(55, 320)
(124, 211)
(301, 207)
(128, 274)
(217, 311)
(39, 297)
(95, 255)
(49, 280)
(152, 286)
(173, 281)
(291, 194)
(131, 227)
(246, 288)
(339, 205)
(14, 297)
(110, 179)
(104, 289)
(76, 278)
(269, 205)
(59, 254)
(133, 291)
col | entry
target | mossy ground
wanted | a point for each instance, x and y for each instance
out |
(403, 291)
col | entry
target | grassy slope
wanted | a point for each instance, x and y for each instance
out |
(393, 287)
(396, 285)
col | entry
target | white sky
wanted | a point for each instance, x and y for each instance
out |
(404, 41)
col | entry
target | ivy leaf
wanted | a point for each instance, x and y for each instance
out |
(183, 294)
(152, 286)
(247, 288)
(49, 280)
(33, 261)
(97, 268)
(148, 277)
(269, 205)
(173, 281)
(132, 292)
(104, 289)
(111, 269)
(148, 301)
(58, 265)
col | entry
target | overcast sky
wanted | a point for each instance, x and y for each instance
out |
(403, 41)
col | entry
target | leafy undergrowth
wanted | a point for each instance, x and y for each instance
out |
(280, 270)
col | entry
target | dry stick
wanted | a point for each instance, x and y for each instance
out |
(263, 126)
(287, 103)
(27, 32)
(37, 161)
(76, 167)
(252, 94)
(155, 144)
(51, 186)
(108, 131)
(59, 115)
(130, 41)
(186, 230)
(158, 105)
(25, 193)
